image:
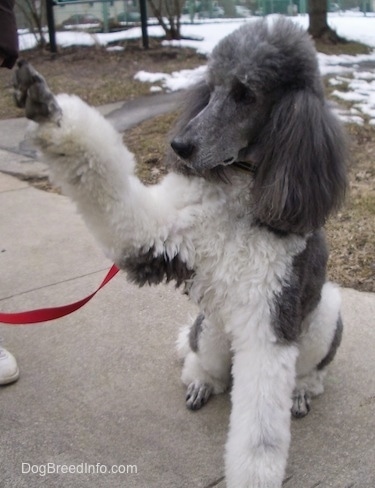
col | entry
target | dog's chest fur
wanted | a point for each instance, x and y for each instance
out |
(235, 262)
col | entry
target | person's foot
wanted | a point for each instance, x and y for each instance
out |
(9, 371)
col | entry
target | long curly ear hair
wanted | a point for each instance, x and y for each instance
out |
(301, 164)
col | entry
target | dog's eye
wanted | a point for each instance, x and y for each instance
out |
(242, 94)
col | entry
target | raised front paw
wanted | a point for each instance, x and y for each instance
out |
(31, 92)
(197, 394)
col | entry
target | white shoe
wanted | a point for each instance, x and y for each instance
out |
(9, 371)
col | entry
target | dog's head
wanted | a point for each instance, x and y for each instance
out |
(262, 104)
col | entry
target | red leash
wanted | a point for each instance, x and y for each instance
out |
(45, 314)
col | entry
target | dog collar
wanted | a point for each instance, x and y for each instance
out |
(247, 166)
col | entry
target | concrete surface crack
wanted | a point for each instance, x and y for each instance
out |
(286, 480)
(215, 483)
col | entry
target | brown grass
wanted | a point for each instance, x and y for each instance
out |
(96, 75)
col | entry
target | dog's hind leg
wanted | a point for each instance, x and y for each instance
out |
(207, 361)
(317, 349)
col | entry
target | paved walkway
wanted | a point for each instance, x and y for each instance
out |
(101, 387)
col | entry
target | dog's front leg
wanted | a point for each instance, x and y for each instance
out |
(259, 434)
(88, 160)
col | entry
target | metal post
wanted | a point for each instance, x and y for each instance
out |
(143, 10)
(210, 8)
(192, 10)
(105, 16)
(364, 6)
(51, 26)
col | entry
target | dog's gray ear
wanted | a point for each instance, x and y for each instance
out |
(301, 159)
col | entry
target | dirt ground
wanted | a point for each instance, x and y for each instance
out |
(101, 77)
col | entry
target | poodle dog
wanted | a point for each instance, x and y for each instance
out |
(257, 164)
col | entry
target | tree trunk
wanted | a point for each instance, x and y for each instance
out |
(168, 14)
(34, 16)
(318, 25)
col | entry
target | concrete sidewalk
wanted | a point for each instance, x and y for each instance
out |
(102, 386)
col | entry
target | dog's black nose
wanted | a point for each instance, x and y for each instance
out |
(182, 149)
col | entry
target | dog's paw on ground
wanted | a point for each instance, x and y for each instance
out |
(301, 404)
(197, 394)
